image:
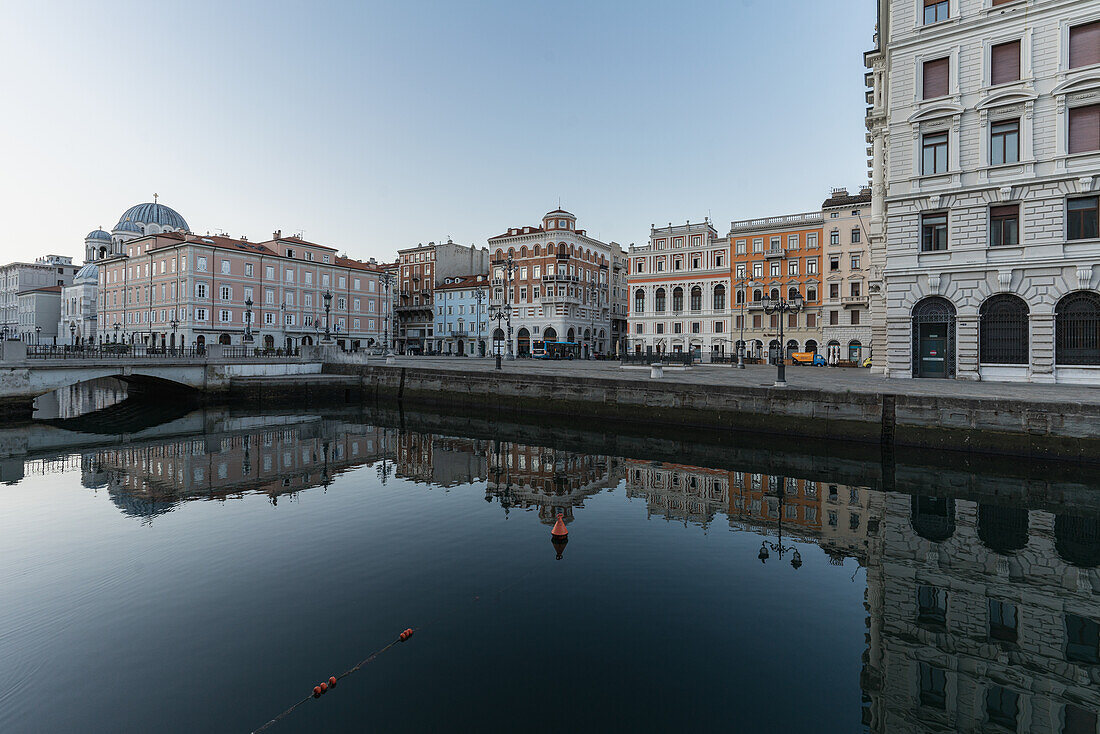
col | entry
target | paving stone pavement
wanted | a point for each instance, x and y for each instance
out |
(833, 379)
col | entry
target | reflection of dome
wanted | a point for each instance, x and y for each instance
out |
(89, 272)
(127, 226)
(153, 213)
(98, 234)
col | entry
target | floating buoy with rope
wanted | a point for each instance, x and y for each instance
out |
(559, 530)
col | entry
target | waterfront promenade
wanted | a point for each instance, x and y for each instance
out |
(830, 379)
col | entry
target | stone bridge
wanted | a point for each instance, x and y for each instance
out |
(27, 373)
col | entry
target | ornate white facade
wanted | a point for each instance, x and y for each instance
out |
(986, 152)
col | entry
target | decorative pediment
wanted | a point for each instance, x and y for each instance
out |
(1006, 97)
(936, 111)
(1084, 83)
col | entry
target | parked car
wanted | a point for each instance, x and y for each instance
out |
(810, 358)
(867, 362)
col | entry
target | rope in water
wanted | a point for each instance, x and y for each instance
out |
(323, 688)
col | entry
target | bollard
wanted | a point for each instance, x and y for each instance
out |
(656, 371)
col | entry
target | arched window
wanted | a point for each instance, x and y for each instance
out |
(1077, 539)
(740, 297)
(538, 250)
(719, 297)
(792, 292)
(523, 251)
(1002, 330)
(696, 298)
(1002, 529)
(500, 254)
(639, 301)
(774, 295)
(811, 294)
(933, 517)
(659, 300)
(757, 295)
(1077, 329)
(677, 299)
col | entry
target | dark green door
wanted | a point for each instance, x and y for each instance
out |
(933, 350)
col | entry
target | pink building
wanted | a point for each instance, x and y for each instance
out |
(180, 289)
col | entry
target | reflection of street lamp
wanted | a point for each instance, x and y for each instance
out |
(781, 306)
(778, 547)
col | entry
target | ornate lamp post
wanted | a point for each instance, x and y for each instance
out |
(117, 326)
(480, 296)
(247, 320)
(328, 312)
(387, 278)
(782, 306)
(72, 333)
(509, 268)
(175, 324)
(500, 313)
(742, 284)
(37, 334)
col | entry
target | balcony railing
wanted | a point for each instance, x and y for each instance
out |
(854, 300)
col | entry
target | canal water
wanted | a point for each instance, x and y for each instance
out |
(205, 570)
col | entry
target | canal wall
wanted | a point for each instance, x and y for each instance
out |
(938, 423)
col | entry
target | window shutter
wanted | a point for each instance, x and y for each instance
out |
(937, 75)
(1004, 211)
(1005, 63)
(1084, 129)
(1002, 2)
(1084, 45)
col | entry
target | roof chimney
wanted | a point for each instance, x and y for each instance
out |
(277, 234)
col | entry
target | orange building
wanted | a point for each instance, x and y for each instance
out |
(775, 257)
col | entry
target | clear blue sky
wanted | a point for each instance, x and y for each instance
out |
(376, 125)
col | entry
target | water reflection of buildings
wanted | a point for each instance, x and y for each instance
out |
(842, 519)
(545, 479)
(276, 461)
(441, 461)
(983, 618)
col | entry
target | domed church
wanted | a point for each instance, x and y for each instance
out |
(140, 219)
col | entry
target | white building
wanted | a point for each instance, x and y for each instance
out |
(79, 307)
(844, 223)
(15, 278)
(558, 287)
(39, 313)
(679, 291)
(985, 133)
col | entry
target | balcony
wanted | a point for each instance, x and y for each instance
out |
(854, 300)
(560, 279)
(775, 252)
(409, 308)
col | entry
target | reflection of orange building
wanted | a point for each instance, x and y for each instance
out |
(690, 494)
(778, 255)
(760, 499)
(546, 479)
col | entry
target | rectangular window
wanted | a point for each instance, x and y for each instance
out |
(934, 153)
(834, 263)
(931, 606)
(225, 315)
(792, 267)
(200, 264)
(811, 267)
(1084, 45)
(1004, 142)
(855, 262)
(855, 235)
(935, 11)
(226, 293)
(1082, 218)
(1078, 721)
(933, 232)
(758, 270)
(200, 290)
(1084, 129)
(854, 289)
(757, 321)
(1082, 640)
(834, 291)
(834, 238)
(1002, 620)
(269, 272)
(1001, 707)
(937, 77)
(775, 269)
(1004, 63)
(248, 270)
(1004, 225)
(855, 317)
(811, 320)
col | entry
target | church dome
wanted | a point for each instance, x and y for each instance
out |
(127, 226)
(154, 213)
(98, 234)
(90, 273)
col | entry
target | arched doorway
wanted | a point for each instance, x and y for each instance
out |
(757, 348)
(1077, 540)
(461, 348)
(269, 341)
(792, 347)
(1002, 529)
(934, 338)
(523, 342)
(498, 341)
(773, 351)
(571, 336)
(224, 339)
(1002, 330)
(307, 341)
(550, 334)
(855, 351)
(1077, 329)
(200, 342)
(811, 346)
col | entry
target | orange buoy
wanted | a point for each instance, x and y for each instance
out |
(559, 527)
(406, 634)
(316, 691)
(332, 681)
(323, 687)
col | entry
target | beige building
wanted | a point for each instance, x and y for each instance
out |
(846, 322)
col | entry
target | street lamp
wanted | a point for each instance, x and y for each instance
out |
(175, 324)
(117, 326)
(509, 268)
(38, 335)
(72, 333)
(328, 311)
(778, 547)
(781, 306)
(742, 284)
(387, 279)
(500, 313)
(480, 296)
(247, 320)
